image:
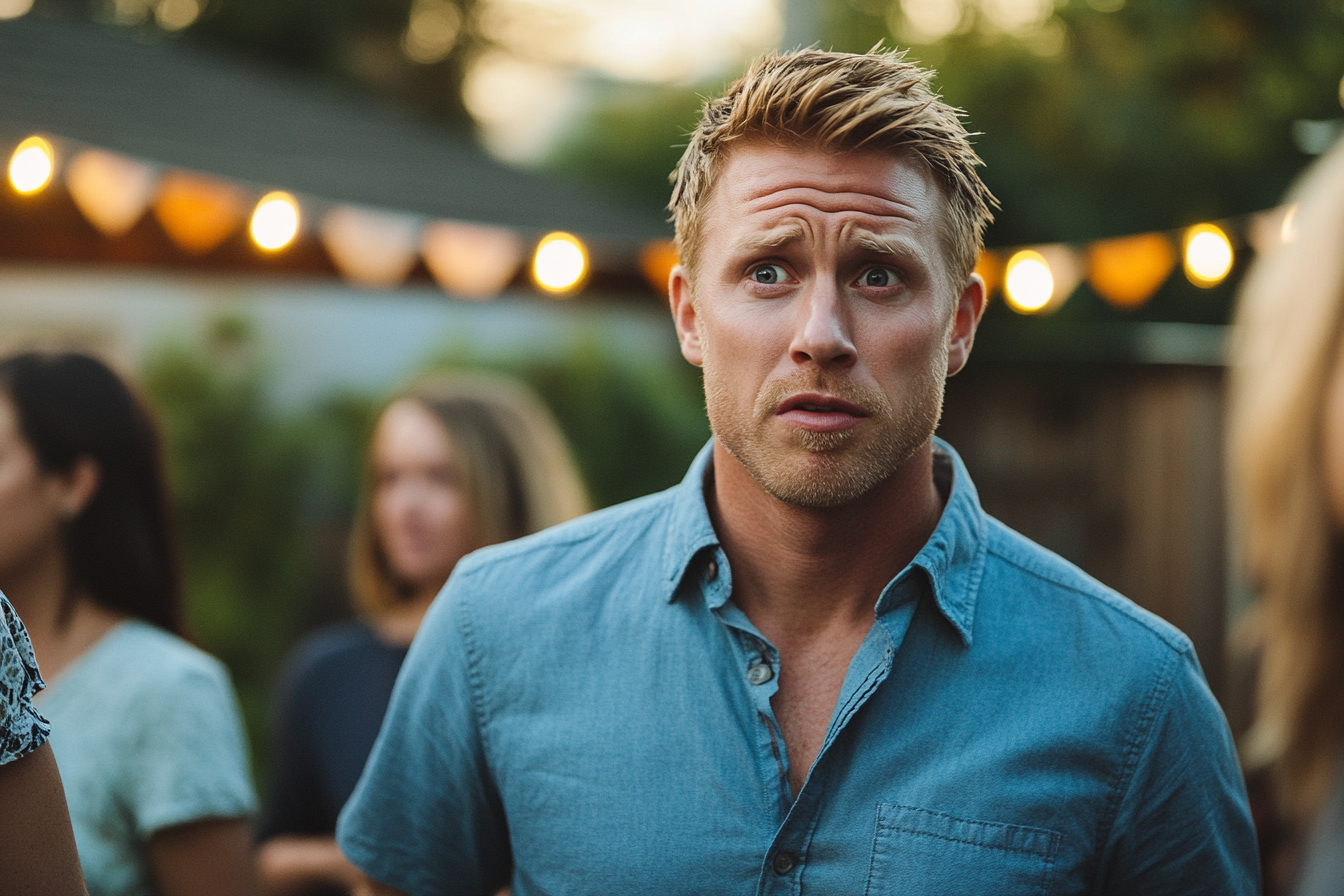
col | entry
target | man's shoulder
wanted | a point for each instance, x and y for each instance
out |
(1067, 601)
(591, 545)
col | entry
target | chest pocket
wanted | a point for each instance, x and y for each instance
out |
(918, 852)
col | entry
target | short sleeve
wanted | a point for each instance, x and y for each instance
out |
(426, 816)
(22, 727)
(1183, 824)
(188, 760)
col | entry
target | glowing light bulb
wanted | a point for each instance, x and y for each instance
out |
(275, 222)
(31, 166)
(1028, 284)
(559, 263)
(12, 9)
(1208, 255)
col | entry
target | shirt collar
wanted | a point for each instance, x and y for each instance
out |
(952, 560)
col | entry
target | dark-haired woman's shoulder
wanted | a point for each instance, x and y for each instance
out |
(332, 695)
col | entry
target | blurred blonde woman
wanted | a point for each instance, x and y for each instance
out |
(1286, 458)
(455, 464)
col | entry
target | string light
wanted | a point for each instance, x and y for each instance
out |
(32, 165)
(656, 261)
(1127, 271)
(198, 212)
(112, 191)
(471, 261)
(12, 9)
(369, 247)
(559, 263)
(1208, 255)
(275, 222)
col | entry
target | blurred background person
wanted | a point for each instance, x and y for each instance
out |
(145, 727)
(455, 464)
(37, 846)
(1286, 456)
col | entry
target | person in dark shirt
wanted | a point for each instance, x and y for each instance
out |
(455, 464)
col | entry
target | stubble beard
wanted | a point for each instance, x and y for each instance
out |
(821, 470)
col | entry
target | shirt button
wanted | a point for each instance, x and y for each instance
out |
(712, 570)
(784, 862)
(760, 674)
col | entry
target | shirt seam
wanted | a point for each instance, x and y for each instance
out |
(1174, 646)
(474, 680)
(1138, 743)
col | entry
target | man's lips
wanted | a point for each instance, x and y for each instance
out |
(820, 413)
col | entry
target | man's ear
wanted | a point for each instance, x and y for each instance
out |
(684, 316)
(965, 319)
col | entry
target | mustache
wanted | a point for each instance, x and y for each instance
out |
(871, 400)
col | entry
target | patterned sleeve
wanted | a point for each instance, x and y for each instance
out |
(22, 728)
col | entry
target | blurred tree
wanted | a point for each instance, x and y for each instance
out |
(1114, 117)
(237, 471)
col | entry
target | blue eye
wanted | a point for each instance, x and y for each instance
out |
(878, 277)
(769, 273)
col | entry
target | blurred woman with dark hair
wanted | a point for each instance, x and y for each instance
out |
(455, 464)
(145, 727)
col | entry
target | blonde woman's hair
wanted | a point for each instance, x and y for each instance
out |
(1286, 348)
(838, 101)
(512, 461)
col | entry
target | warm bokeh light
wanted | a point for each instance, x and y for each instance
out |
(656, 260)
(1208, 255)
(1128, 270)
(369, 247)
(471, 261)
(31, 166)
(929, 21)
(431, 31)
(1027, 283)
(559, 263)
(198, 212)
(12, 9)
(990, 268)
(275, 222)
(174, 15)
(112, 191)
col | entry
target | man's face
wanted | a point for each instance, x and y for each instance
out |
(825, 316)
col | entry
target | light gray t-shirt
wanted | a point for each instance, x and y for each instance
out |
(147, 735)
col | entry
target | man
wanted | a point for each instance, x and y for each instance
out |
(816, 666)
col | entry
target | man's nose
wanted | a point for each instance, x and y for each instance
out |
(823, 332)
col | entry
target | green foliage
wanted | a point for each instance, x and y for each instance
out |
(631, 141)
(1150, 117)
(240, 477)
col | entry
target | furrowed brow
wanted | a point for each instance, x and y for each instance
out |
(774, 238)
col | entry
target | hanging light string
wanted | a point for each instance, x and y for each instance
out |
(378, 248)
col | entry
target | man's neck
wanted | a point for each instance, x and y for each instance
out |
(801, 571)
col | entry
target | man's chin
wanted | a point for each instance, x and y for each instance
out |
(819, 481)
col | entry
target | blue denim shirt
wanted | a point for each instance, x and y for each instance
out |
(585, 711)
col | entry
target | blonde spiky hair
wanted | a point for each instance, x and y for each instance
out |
(838, 101)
